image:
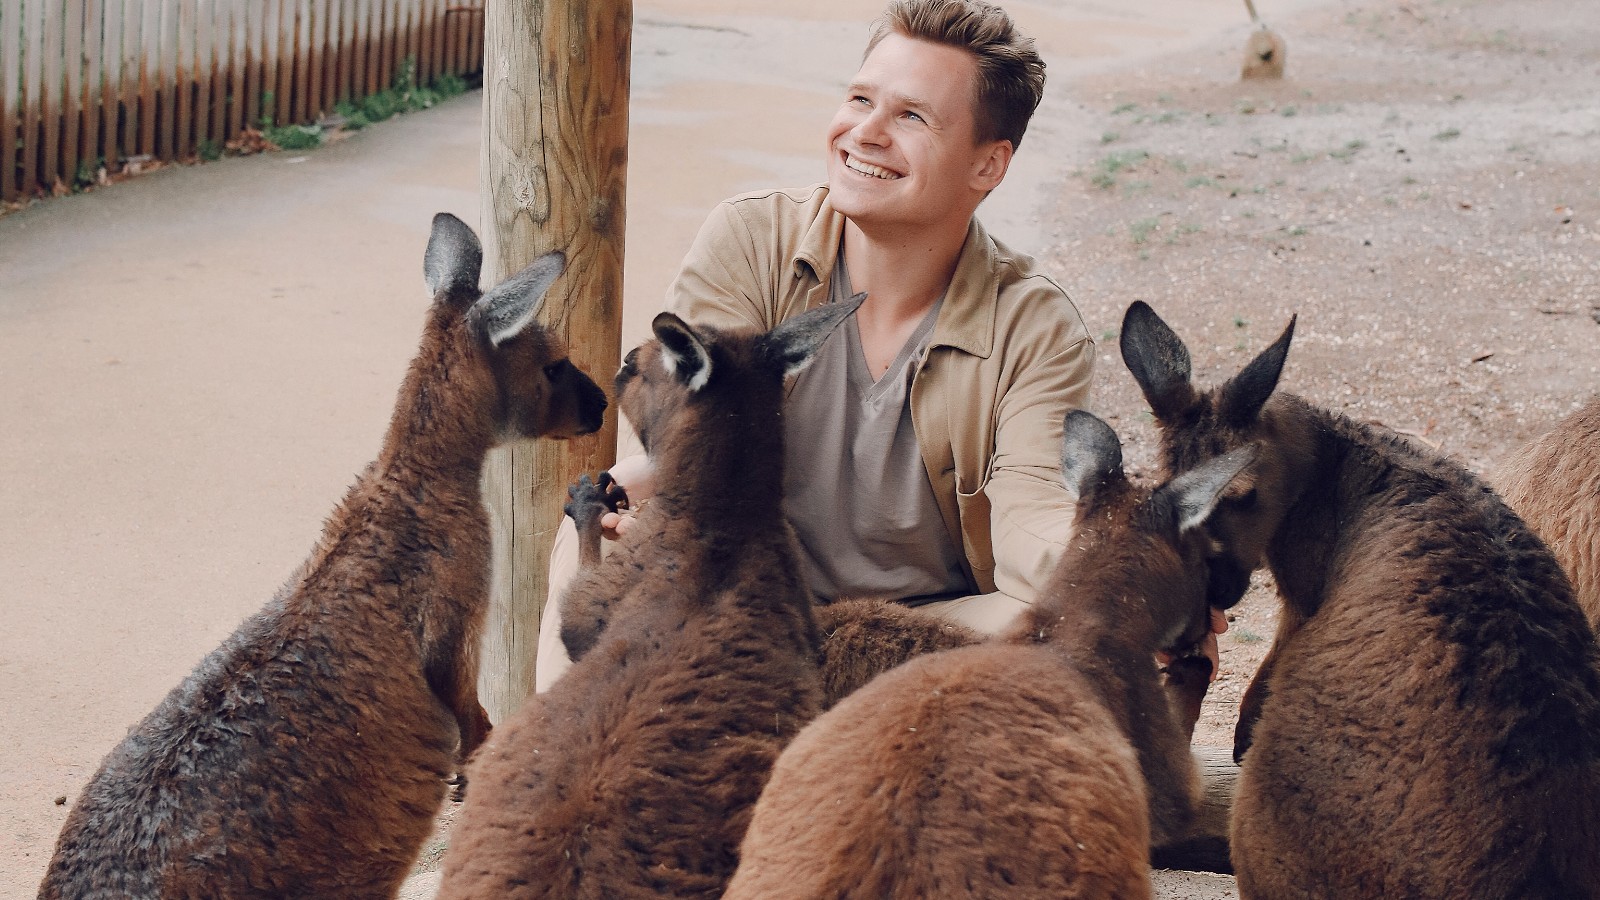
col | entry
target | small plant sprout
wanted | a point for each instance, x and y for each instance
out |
(1141, 230)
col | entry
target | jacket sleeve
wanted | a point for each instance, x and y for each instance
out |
(724, 276)
(1031, 510)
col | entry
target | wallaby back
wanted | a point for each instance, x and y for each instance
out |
(1554, 485)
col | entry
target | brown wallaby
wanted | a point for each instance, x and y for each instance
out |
(307, 755)
(1554, 485)
(1427, 723)
(633, 776)
(1036, 764)
(861, 637)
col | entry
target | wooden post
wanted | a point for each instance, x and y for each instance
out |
(554, 174)
(1205, 847)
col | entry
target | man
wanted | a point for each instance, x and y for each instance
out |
(923, 450)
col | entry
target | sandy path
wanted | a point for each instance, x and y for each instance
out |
(195, 363)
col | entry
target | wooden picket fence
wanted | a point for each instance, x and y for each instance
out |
(86, 83)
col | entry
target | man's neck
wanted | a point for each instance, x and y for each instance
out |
(904, 275)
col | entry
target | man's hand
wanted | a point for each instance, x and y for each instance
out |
(1208, 644)
(613, 525)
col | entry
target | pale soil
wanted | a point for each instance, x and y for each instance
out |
(175, 431)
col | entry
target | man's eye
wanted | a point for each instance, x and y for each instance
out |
(914, 117)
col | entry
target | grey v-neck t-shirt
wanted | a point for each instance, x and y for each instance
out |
(855, 489)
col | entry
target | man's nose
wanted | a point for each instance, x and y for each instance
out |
(873, 128)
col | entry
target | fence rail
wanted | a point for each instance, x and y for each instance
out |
(85, 83)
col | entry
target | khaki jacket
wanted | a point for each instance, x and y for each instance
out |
(1009, 356)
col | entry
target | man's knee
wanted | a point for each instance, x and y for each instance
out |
(987, 613)
(552, 659)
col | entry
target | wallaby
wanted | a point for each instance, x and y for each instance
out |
(1427, 722)
(1039, 763)
(633, 776)
(307, 755)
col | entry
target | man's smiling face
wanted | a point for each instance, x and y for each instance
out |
(903, 149)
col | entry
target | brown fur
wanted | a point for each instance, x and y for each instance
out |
(307, 755)
(634, 775)
(1554, 485)
(862, 639)
(1036, 764)
(1428, 721)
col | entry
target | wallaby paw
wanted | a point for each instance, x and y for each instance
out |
(1189, 672)
(458, 787)
(1187, 680)
(474, 731)
(1244, 729)
(587, 503)
(615, 497)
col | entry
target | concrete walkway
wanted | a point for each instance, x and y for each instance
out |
(195, 363)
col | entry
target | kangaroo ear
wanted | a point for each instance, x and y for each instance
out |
(1189, 500)
(454, 257)
(682, 351)
(794, 342)
(1158, 360)
(1244, 395)
(504, 312)
(1091, 455)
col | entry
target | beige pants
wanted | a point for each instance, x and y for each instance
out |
(988, 613)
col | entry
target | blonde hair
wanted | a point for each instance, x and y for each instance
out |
(1010, 72)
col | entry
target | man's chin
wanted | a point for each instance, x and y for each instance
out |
(852, 201)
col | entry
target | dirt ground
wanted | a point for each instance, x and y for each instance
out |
(1423, 191)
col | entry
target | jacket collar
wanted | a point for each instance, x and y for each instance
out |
(966, 320)
(819, 247)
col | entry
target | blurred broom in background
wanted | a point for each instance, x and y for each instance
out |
(1264, 52)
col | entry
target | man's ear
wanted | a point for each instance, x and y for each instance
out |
(992, 166)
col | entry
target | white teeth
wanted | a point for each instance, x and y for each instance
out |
(868, 169)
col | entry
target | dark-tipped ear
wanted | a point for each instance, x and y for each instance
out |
(454, 257)
(682, 351)
(504, 312)
(1244, 395)
(794, 342)
(1091, 455)
(1192, 497)
(1158, 360)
